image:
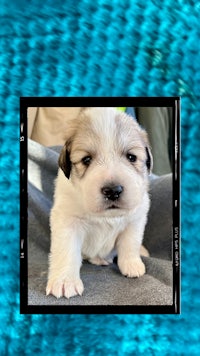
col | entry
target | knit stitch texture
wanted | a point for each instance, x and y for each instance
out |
(99, 48)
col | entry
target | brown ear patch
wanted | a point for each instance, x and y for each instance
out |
(149, 158)
(149, 162)
(64, 161)
(64, 158)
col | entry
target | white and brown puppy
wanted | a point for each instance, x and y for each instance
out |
(101, 198)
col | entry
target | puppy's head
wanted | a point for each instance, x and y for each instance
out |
(107, 158)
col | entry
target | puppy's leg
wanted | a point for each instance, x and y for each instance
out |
(128, 248)
(65, 262)
(99, 261)
(144, 251)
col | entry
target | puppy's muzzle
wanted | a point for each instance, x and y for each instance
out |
(112, 192)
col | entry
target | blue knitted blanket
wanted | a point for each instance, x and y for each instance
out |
(99, 48)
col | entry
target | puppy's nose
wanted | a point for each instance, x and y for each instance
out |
(112, 192)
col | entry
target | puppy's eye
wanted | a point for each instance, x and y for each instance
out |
(131, 158)
(86, 160)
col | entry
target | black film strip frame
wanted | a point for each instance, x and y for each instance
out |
(174, 103)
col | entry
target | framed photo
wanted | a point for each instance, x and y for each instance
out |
(100, 205)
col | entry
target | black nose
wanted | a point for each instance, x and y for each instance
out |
(112, 192)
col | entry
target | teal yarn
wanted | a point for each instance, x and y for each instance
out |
(102, 48)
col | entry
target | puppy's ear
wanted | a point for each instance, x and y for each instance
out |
(149, 159)
(64, 161)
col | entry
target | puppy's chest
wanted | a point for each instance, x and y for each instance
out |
(100, 237)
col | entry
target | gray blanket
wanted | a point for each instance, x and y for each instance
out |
(103, 285)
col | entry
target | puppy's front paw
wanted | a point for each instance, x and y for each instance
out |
(132, 267)
(65, 288)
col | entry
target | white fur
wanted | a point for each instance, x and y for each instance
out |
(82, 226)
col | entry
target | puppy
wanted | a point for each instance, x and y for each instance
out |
(101, 198)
